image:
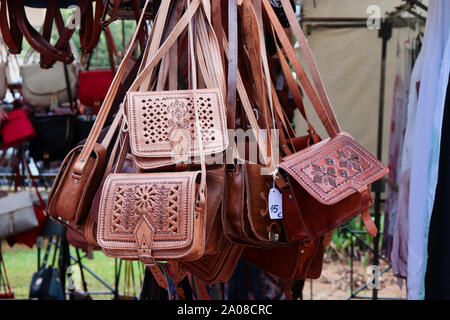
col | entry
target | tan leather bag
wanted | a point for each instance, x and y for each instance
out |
(161, 123)
(152, 216)
(159, 215)
(82, 170)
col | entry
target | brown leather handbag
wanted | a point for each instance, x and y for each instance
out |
(83, 168)
(152, 216)
(159, 215)
(221, 255)
(331, 179)
(217, 267)
(161, 123)
(289, 263)
(246, 218)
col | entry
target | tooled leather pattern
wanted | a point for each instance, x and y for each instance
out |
(334, 169)
(157, 201)
(162, 122)
(165, 200)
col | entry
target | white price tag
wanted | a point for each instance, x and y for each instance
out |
(275, 204)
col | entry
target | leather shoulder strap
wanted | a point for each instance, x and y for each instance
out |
(310, 61)
(10, 32)
(323, 113)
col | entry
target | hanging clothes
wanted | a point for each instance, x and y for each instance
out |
(427, 136)
(399, 254)
(395, 140)
(437, 278)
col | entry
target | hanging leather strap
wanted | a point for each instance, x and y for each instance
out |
(232, 63)
(10, 32)
(112, 50)
(323, 113)
(104, 110)
(247, 106)
(92, 35)
(365, 215)
(60, 51)
(310, 61)
(157, 34)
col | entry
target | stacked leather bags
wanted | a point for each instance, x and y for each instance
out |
(148, 189)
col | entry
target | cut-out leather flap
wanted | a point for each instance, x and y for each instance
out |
(333, 169)
(161, 123)
(148, 210)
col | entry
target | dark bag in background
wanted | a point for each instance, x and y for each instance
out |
(46, 283)
(55, 136)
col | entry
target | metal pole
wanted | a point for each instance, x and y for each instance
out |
(385, 33)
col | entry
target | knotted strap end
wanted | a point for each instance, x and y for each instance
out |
(365, 215)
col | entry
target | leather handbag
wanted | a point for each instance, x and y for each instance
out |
(159, 215)
(29, 237)
(330, 179)
(46, 283)
(303, 260)
(161, 123)
(246, 219)
(94, 83)
(219, 264)
(17, 214)
(56, 136)
(152, 216)
(93, 87)
(83, 168)
(47, 87)
(16, 130)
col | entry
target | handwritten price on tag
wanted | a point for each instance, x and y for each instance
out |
(275, 204)
(274, 210)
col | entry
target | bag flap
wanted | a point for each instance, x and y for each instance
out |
(333, 169)
(15, 201)
(165, 201)
(42, 82)
(162, 122)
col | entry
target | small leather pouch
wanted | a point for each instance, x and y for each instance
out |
(70, 197)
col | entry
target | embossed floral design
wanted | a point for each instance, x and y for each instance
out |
(323, 174)
(348, 160)
(144, 198)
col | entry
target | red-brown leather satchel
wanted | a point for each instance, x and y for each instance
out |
(289, 263)
(331, 179)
